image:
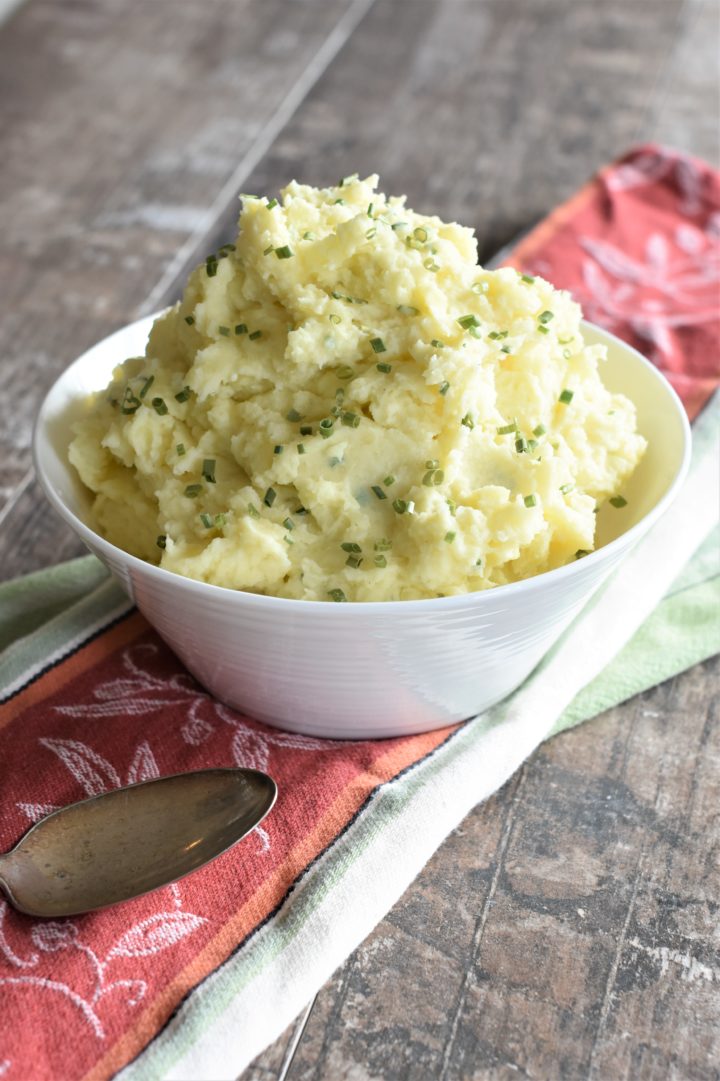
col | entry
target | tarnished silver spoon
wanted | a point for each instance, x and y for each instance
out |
(127, 842)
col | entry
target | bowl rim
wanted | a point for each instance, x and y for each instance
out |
(415, 605)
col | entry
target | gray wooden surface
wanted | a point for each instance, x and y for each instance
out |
(569, 927)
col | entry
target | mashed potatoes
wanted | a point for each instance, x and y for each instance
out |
(344, 405)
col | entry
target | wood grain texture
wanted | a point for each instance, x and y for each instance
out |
(569, 928)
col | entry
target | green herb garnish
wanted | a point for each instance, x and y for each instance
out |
(161, 541)
(529, 500)
(241, 328)
(208, 470)
(618, 501)
(566, 396)
(383, 367)
(378, 345)
(183, 395)
(337, 595)
(378, 491)
(159, 406)
(284, 252)
(193, 490)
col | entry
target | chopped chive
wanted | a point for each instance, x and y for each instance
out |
(309, 235)
(255, 335)
(582, 552)
(183, 395)
(378, 345)
(336, 296)
(208, 470)
(437, 344)
(506, 349)
(532, 444)
(348, 180)
(284, 252)
(370, 210)
(301, 448)
(241, 328)
(433, 477)
(337, 595)
(449, 537)
(289, 524)
(159, 406)
(278, 449)
(478, 562)
(444, 387)
(527, 278)
(340, 201)
(539, 430)
(293, 415)
(219, 521)
(306, 429)
(521, 445)
(193, 490)
(497, 335)
(253, 511)
(389, 480)
(566, 488)
(335, 319)
(227, 248)
(353, 561)
(383, 545)
(206, 520)
(431, 265)
(467, 321)
(529, 500)
(269, 497)
(383, 367)
(335, 461)
(190, 319)
(408, 309)
(224, 331)
(371, 233)
(130, 404)
(161, 541)
(146, 385)
(326, 424)
(399, 225)
(272, 203)
(542, 329)
(400, 506)
(507, 429)
(345, 372)
(180, 449)
(545, 317)
(452, 506)
(618, 501)
(301, 510)
(432, 463)
(350, 546)
(566, 354)
(350, 420)
(211, 266)
(378, 491)
(380, 561)
(468, 421)
(566, 396)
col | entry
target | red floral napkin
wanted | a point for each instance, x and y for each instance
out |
(639, 247)
(83, 711)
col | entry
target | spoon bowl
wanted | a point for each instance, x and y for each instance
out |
(126, 842)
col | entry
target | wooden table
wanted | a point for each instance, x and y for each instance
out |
(569, 928)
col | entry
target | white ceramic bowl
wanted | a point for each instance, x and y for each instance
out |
(363, 670)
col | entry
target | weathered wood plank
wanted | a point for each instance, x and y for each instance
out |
(567, 930)
(121, 123)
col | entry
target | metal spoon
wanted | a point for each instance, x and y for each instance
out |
(132, 840)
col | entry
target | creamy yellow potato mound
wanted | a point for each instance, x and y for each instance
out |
(346, 406)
